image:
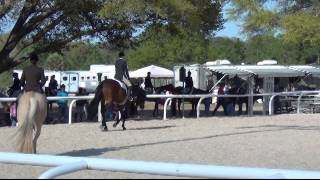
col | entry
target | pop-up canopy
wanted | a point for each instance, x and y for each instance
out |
(156, 72)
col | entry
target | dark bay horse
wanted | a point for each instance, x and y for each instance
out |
(242, 100)
(160, 101)
(139, 97)
(112, 97)
(193, 101)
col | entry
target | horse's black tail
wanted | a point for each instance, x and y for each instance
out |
(94, 104)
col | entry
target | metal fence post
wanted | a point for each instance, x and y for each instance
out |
(99, 113)
(299, 103)
(165, 108)
(271, 105)
(70, 110)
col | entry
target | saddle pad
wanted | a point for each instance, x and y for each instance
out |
(122, 85)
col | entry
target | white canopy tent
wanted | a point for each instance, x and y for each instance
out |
(156, 72)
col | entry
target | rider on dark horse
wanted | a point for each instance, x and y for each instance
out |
(122, 72)
(189, 84)
(148, 84)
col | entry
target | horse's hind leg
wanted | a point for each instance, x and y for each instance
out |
(104, 126)
(124, 117)
(117, 118)
(37, 135)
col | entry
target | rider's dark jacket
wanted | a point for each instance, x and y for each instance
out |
(189, 83)
(148, 83)
(121, 70)
(33, 79)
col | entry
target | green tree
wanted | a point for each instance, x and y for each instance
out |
(168, 46)
(297, 20)
(49, 25)
(227, 48)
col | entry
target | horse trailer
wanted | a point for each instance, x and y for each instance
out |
(199, 75)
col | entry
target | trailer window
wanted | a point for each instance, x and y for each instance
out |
(82, 78)
(94, 78)
(74, 78)
(65, 78)
(88, 78)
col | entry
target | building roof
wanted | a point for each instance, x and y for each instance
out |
(267, 70)
(156, 72)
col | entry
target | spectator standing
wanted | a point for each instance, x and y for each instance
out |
(220, 101)
(15, 89)
(80, 106)
(53, 86)
(13, 114)
(53, 89)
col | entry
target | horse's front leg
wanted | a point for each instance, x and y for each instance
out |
(156, 107)
(141, 115)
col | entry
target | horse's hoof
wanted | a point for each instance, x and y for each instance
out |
(124, 128)
(104, 128)
(115, 125)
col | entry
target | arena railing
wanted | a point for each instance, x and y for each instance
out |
(63, 165)
(169, 98)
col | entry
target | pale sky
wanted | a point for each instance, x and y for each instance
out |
(231, 29)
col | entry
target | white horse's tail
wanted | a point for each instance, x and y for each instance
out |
(26, 115)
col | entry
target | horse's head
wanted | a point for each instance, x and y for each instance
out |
(138, 94)
(169, 88)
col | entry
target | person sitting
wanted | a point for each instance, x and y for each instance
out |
(189, 84)
(122, 73)
(33, 78)
(63, 104)
(148, 84)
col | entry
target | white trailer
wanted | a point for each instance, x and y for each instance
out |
(88, 80)
(73, 80)
(70, 80)
(199, 75)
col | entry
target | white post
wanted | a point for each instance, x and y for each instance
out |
(99, 113)
(165, 108)
(64, 169)
(72, 164)
(70, 110)
(250, 99)
(271, 105)
(299, 102)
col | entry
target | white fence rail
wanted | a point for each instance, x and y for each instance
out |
(168, 98)
(65, 165)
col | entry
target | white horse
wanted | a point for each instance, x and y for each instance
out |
(31, 114)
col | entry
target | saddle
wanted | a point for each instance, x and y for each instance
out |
(122, 85)
(125, 88)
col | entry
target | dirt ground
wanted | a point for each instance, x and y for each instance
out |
(284, 141)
